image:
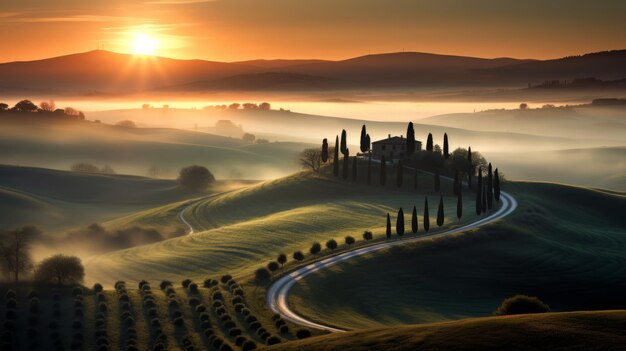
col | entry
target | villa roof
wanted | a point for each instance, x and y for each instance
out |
(398, 140)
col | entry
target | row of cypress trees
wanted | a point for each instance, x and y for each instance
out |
(488, 190)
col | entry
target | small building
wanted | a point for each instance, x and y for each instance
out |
(393, 147)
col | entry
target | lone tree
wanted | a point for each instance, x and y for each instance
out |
(325, 150)
(346, 159)
(489, 187)
(437, 181)
(446, 153)
(414, 220)
(60, 269)
(440, 213)
(388, 232)
(479, 193)
(349, 240)
(400, 223)
(367, 235)
(336, 158)
(459, 205)
(354, 161)
(331, 244)
(383, 171)
(26, 106)
(344, 147)
(470, 167)
(521, 304)
(456, 187)
(311, 158)
(399, 174)
(273, 266)
(15, 251)
(496, 185)
(298, 256)
(315, 248)
(364, 145)
(282, 259)
(195, 178)
(262, 275)
(429, 143)
(426, 216)
(410, 140)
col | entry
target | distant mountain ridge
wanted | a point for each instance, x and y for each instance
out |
(114, 73)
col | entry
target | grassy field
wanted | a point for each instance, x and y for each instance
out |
(248, 227)
(563, 244)
(601, 330)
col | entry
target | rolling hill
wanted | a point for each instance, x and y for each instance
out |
(563, 245)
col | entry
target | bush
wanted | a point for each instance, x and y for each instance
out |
(236, 300)
(315, 248)
(218, 296)
(200, 308)
(204, 317)
(120, 285)
(303, 333)
(210, 283)
(195, 178)
(521, 304)
(272, 340)
(298, 256)
(273, 266)
(234, 332)
(164, 284)
(194, 301)
(284, 329)
(251, 319)
(331, 244)
(254, 326)
(238, 292)
(349, 240)
(193, 288)
(186, 283)
(248, 345)
(367, 235)
(225, 278)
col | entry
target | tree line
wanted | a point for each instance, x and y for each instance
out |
(45, 108)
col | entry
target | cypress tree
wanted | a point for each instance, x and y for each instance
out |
(336, 158)
(369, 170)
(364, 144)
(354, 169)
(440, 214)
(410, 140)
(437, 181)
(479, 206)
(344, 148)
(456, 186)
(400, 223)
(383, 171)
(388, 232)
(484, 199)
(414, 221)
(324, 150)
(496, 185)
(470, 167)
(426, 216)
(429, 143)
(445, 146)
(459, 205)
(489, 187)
(346, 159)
(399, 174)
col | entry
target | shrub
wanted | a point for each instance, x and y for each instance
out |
(208, 332)
(209, 282)
(193, 288)
(349, 240)
(56, 313)
(186, 283)
(200, 308)
(238, 292)
(315, 248)
(130, 321)
(125, 306)
(234, 332)
(206, 325)
(248, 345)
(32, 332)
(34, 306)
(217, 304)
(284, 329)
(10, 325)
(142, 283)
(194, 301)
(251, 319)
(217, 296)
(279, 323)
(521, 304)
(282, 259)
(254, 326)
(204, 317)
(164, 284)
(149, 303)
(79, 313)
(33, 321)
(261, 331)
(298, 256)
(120, 285)
(272, 340)
(225, 278)
(331, 244)
(220, 311)
(78, 304)
(367, 235)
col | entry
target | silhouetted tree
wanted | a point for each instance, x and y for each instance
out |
(3, 106)
(282, 259)
(456, 187)
(315, 248)
(496, 185)
(15, 251)
(262, 275)
(414, 220)
(248, 137)
(440, 213)
(399, 174)
(489, 187)
(25, 106)
(344, 147)
(429, 143)
(426, 216)
(60, 269)
(367, 235)
(346, 159)
(364, 144)
(354, 160)
(388, 232)
(311, 158)
(349, 240)
(470, 167)
(273, 266)
(446, 154)
(298, 256)
(400, 223)
(195, 178)
(479, 193)
(324, 150)
(410, 140)
(336, 158)
(47, 106)
(383, 171)
(437, 181)
(331, 244)
(459, 205)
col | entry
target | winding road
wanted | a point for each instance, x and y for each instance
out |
(277, 294)
(181, 214)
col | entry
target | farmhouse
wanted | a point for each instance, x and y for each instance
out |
(392, 147)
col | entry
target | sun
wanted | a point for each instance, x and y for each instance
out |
(144, 44)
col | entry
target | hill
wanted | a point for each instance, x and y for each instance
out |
(601, 330)
(562, 244)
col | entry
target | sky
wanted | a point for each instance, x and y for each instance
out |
(237, 30)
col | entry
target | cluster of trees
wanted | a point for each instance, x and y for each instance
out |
(85, 167)
(195, 178)
(16, 260)
(265, 106)
(45, 108)
(400, 224)
(487, 190)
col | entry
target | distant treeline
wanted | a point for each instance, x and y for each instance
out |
(589, 82)
(45, 109)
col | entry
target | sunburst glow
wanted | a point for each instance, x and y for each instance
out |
(144, 44)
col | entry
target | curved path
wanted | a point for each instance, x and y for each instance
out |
(181, 214)
(279, 290)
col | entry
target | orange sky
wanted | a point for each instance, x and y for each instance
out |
(231, 30)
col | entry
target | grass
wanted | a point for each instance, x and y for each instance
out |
(248, 227)
(601, 330)
(563, 244)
